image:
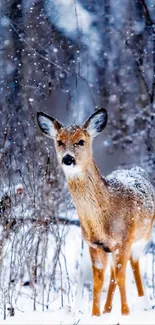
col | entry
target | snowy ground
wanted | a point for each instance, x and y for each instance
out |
(78, 311)
(68, 315)
(65, 316)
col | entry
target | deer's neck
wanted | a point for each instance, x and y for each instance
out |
(89, 192)
(91, 196)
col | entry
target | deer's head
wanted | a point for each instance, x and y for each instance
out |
(73, 143)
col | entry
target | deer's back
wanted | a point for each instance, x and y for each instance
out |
(133, 183)
(135, 199)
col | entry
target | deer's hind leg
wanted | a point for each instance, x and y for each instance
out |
(99, 263)
(137, 276)
(134, 261)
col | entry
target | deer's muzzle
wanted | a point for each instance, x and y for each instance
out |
(68, 160)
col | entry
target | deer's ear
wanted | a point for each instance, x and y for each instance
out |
(48, 124)
(96, 122)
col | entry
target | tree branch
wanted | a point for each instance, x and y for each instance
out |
(11, 223)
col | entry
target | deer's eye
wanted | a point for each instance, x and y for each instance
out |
(81, 143)
(60, 143)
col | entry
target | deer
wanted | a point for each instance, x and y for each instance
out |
(116, 212)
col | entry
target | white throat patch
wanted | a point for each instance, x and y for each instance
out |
(71, 171)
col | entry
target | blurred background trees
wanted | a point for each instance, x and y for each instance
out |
(66, 58)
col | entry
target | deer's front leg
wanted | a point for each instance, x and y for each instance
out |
(111, 291)
(120, 275)
(99, 262)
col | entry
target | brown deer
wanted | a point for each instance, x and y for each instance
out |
(116, 213)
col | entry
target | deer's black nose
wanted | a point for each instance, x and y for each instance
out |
(68, 160)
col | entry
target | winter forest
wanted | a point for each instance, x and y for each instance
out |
(67, 58)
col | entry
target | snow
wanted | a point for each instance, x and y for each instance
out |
(66, 316)
(136, 181)
(78, 309)
(99, 265)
